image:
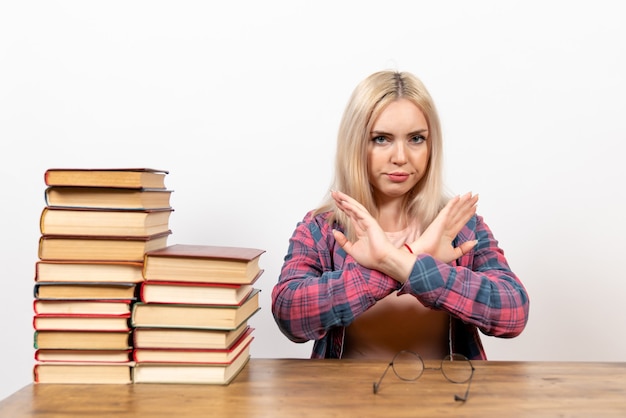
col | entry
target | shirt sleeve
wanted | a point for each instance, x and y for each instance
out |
(479, 288)
(320, 286)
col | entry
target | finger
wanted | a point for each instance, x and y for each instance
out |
(465, 247)
(464, 210)
(342, 240)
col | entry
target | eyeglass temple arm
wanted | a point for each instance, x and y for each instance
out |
(464, 398)
(377, 384)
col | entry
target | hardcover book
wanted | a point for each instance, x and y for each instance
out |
(73, 322)
(106, 177)
(194, 316)
(203, 263)
(85, 290)
(95, 271)
(83, 373)
(193, 293)
(90, 221)
(82, 340)
(173, 355)
(183, 338)
(83, 356)
(81, 307)
(104, 248)
(107, 198)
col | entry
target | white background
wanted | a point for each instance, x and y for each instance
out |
(241, 101)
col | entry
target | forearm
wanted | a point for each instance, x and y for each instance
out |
(306, 307)
(493, 300)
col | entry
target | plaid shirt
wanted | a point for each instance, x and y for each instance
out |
(322, 289)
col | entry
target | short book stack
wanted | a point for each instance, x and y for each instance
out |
(96, 227)
(190, 324)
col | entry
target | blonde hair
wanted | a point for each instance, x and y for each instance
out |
(366, 103)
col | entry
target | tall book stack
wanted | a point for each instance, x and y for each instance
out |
(190, 324)
(96, 226)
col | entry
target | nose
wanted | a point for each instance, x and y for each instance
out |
(398, 155)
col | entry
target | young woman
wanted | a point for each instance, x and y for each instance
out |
(389, 262)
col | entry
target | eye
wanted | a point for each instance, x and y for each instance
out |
(417, 139)
(379, 139)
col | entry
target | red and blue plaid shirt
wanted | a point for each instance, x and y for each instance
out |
(322, 289)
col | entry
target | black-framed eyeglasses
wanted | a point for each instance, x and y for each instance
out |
(409, 366)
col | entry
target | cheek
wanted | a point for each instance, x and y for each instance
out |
(375, 160)
(420, 159)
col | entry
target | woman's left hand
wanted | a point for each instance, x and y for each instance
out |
(371, 246)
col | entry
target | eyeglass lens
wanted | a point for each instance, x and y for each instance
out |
(457, 368)
(408, 365)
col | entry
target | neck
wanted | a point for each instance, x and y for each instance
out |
(392, 216)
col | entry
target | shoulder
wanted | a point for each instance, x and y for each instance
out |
(317, 226)
(320, 219)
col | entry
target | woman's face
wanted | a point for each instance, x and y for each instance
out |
(398, 150)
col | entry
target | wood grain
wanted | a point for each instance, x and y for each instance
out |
(343, 388)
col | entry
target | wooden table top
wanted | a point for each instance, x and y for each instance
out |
(343, 388)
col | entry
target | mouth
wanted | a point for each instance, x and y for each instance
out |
(398, 177)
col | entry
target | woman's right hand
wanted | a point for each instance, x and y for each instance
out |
(436, 240)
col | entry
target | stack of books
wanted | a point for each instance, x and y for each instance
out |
(96, 226)
(190, 324)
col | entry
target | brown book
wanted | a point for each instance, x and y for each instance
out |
(86, 290)
(106, 177)
(82, 340)
(83, 356)
(104, 248)
(181, 338)
(192, 373)
(193, 293)
(90, 221)
(172, 355)
(81, 307)
(194, 316)
(89, 271)
(203, 263)
(83, 373)
(107, 197)
(73, 322)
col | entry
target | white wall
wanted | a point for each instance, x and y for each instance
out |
(241, 102)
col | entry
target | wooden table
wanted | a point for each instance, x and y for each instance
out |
(343, 388)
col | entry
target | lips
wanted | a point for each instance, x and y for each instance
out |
(398, 177)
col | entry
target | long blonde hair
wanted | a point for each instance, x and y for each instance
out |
(366, 103)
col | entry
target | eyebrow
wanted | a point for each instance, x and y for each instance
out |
(418, 132)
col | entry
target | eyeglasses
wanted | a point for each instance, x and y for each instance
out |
(409, 366)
